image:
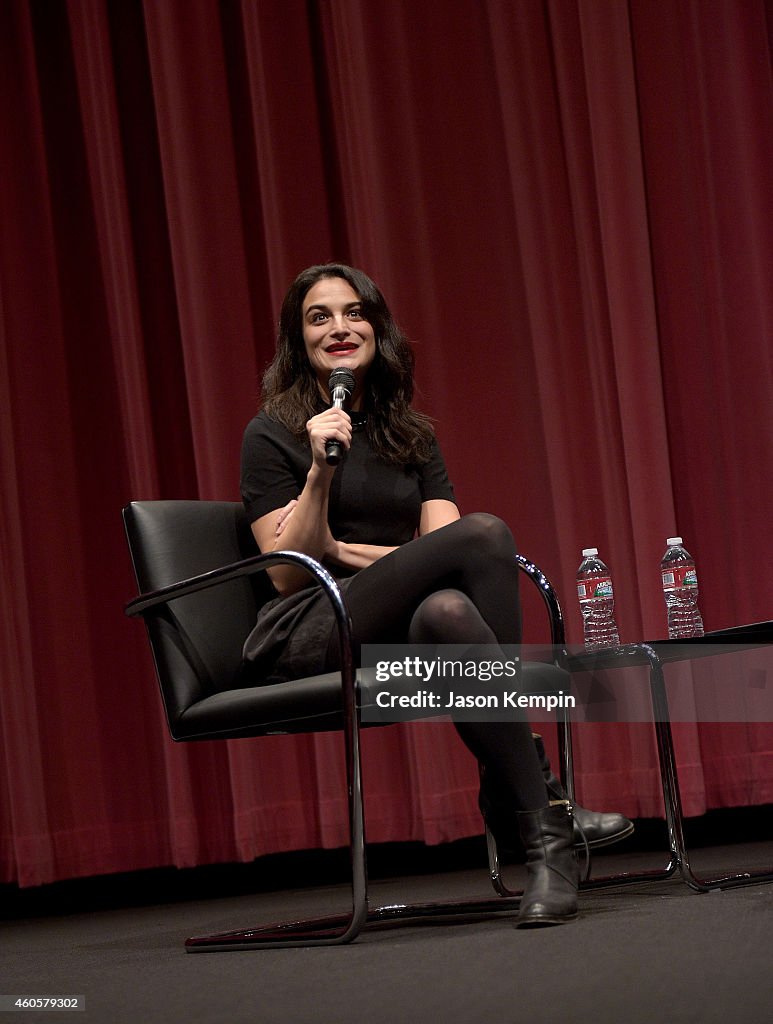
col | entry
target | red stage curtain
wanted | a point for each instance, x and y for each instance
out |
(567, 204)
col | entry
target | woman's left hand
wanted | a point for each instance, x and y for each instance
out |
(331, 551)
(284, 516)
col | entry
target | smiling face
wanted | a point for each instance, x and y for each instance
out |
(336, 334)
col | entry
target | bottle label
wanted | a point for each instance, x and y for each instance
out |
(588, 590)
(677, 576)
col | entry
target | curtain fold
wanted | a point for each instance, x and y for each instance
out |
(567, 205)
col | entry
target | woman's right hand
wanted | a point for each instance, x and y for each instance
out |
(331, 425)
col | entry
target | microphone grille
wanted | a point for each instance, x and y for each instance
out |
(341, 378)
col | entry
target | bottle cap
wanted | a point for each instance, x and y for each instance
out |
(673, 540)
(588, 552)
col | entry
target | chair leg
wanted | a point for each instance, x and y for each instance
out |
(343, 928)
(338, 929)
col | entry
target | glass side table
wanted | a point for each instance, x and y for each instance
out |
(655, 656)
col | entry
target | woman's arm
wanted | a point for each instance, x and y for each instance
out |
(306, 530)
(355, 556)
(436, 513)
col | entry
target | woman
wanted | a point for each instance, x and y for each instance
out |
(386, 524)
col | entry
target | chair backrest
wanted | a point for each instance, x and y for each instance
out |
(196, 640)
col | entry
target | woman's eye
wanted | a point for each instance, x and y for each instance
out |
(356, 313)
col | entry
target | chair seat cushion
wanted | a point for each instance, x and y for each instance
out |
(311, 704)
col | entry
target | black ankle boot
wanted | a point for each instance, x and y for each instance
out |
(550, 894)
(600, 828)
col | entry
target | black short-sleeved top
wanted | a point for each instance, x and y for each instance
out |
(371, 502)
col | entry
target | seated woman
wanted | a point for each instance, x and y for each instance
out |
(386, 524)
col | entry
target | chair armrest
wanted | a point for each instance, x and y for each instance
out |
(223, 574)
(259, 563)
(546, 589)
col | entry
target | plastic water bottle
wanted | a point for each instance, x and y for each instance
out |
(597, 601)
(680, 589)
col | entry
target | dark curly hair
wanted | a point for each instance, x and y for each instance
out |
(291, 394)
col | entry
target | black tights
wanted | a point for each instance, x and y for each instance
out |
(459, 583)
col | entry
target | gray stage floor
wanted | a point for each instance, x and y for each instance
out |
(644, 953)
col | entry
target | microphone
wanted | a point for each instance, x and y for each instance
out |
(341, 386)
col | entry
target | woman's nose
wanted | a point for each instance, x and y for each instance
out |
(340, 324)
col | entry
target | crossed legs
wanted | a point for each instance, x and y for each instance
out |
(457, 582)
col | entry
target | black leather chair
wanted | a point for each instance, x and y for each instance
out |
(201, 581)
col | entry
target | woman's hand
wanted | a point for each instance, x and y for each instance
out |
(331, 548)
(283, 517)
(331, 425)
